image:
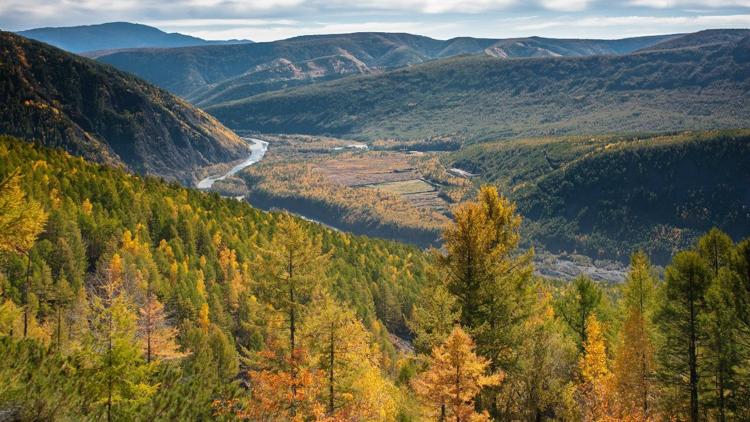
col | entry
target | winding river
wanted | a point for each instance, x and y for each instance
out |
(257, 151)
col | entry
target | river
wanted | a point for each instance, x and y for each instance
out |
(257, 151)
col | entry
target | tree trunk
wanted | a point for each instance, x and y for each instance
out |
(26, 297)
(330, 374)
(292, 329)
(692, 363)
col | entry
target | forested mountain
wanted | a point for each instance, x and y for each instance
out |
(485, 97)
(114, 35)
(210, 75)
(62, 100)
(192, 283)
(701, 39)
(127, 298)
(609, 196)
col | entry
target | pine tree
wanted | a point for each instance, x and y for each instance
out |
(454, 377)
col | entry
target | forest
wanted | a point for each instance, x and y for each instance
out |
(129, 298)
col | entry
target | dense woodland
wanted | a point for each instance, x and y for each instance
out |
(666, 190)
(126, 298)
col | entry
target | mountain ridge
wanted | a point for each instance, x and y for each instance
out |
(197, 73)
(67, 101)
(481, 97)
(114, 36)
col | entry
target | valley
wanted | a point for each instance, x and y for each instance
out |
(372, 226)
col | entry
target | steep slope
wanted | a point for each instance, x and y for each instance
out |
(610, 195)
(203, 74)
(62, 100)
(114, 35)
(487, 97)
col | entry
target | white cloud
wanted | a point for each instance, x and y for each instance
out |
(666, 4)
(623, 26)
(425, 6)
(565, 5)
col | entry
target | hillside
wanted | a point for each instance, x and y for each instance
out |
(701, 39)
(200, 257)
(485, 97)
(114, 35)
(608, 196)
(62, 100)
(210, 75)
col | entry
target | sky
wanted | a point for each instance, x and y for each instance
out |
(267, 20)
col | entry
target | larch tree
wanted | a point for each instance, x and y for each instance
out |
(686, 282)
(339, 344)
(594, 389)
(156, 335)
(453, 379)
(21, 221)
(114, 343)
(581, 299)
(487, 275)
(741, 296)
(434, 315)
(295, 265)
(634, 365)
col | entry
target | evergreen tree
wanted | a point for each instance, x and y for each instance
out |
(686, 281)
(581, 299)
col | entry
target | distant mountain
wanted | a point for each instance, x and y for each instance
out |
(608, 196)
(481, 97)
(701, 39)
(62, 100)
(211, 75)
(113, 36)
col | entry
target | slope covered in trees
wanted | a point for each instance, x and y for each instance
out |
(214, 75)
(663, 191)
(126, 298)
(142, 299)
(63, 100)
(481, 97)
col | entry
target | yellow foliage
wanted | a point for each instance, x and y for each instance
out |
(21, 220)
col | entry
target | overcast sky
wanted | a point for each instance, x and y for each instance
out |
(266, 20)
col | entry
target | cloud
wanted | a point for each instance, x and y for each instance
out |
(565, 5)
(643, 24)
(424, 6)
(711, 4)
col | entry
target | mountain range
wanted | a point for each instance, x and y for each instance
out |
(697, 85)
(62, 100)
(215, 74)
(115, 35)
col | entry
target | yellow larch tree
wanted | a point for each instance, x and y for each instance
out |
(453, 379)
(593, 391)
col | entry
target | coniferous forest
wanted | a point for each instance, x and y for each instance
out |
(248, 215)
(129, 298)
